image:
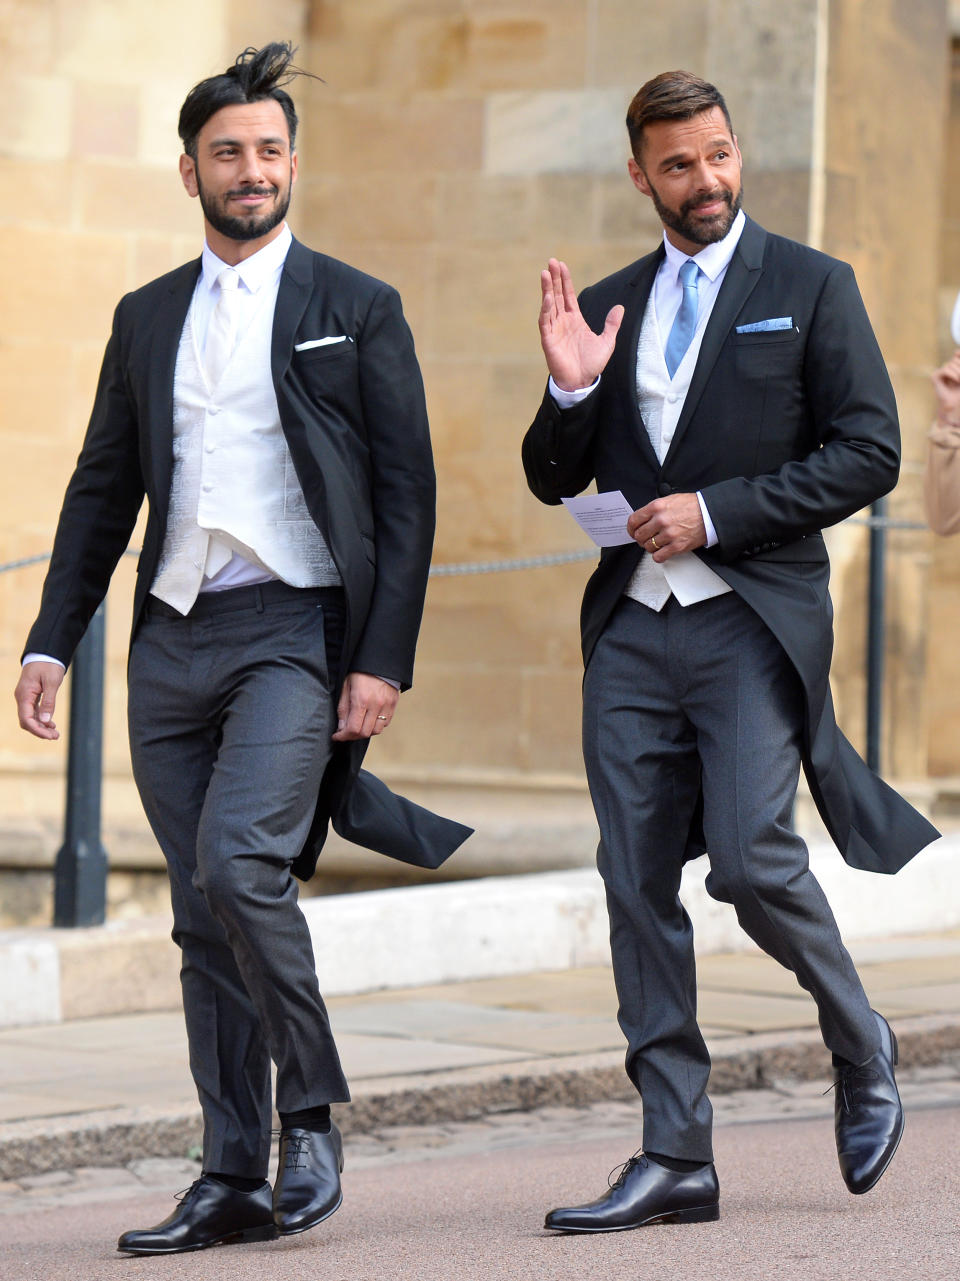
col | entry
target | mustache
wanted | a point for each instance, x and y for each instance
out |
(720, 194)
(252, 191)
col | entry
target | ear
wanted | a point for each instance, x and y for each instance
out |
(188, 175)
(736, 147)
(638, 177)
(293, 169)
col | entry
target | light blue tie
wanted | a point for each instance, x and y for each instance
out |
(685, 323)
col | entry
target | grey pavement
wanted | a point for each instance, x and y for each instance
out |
(108, 1092)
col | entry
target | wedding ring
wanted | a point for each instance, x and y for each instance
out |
(653, 539)
(383, 718)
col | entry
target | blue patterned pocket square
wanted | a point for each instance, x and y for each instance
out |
(764, 326)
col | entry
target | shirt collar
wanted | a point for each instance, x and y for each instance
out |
(253, 271)
(712, 259)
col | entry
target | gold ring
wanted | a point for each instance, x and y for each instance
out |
(653, 539)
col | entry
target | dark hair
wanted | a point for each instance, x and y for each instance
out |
(673, 95)
(256, 74)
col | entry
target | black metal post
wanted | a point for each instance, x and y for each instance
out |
(80, 874)
(876, 632)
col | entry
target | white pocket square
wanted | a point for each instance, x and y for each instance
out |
(321, 342)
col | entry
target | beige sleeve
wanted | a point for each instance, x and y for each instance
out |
(941, 481)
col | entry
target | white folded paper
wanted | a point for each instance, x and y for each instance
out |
(602, 516)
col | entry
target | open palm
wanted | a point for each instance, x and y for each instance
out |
(576, 356)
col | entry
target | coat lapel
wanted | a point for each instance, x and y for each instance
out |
(296, 287)
(625, 355)
(168, 322)
(742, 276)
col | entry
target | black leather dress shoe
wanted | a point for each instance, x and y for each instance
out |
(643, 1193)
(869, 1114)
(209, 1213)
(307, 1189)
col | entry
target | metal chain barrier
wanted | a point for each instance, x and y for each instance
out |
(461, 568)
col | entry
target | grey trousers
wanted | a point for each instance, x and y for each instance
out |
(691, 698)
(230, 715)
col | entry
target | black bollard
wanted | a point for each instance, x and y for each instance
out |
(80, 874)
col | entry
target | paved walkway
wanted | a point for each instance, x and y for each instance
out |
(97, 1091)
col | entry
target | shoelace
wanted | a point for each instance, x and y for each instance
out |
(297, 1146)
(846, 1084)
(184, 1193)
(620, 1172)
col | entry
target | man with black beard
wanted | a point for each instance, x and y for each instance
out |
(268, 402)
(729, 384)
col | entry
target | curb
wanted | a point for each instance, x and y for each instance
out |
(118, 1136)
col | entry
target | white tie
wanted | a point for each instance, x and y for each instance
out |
(221, 339)
(222, 332)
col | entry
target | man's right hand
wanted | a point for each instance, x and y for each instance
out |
(36, 696)
(576, 356)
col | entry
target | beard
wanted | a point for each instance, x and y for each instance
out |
(238, 226)
(702, 231)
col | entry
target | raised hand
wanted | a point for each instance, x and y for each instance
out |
(576, 356)
(946, 383)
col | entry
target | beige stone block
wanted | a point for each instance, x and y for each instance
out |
(420, 134)
(474, 522)
(83, 276)
(105, 120)
(39, 110)
(29, 32)
(464, 716)
(502, 620)
(485, 303)
(141, 970)
(485, 208)
(779, 201)
(630, 45)
(552, 706)
(148, 258)
(131, 198)
(45, 193)
(554, 131)
(439, 46)
(35, 389)
(565, 207)
(127, 42)
(410, 269)
(160, 100)
(370, 207)
(251, 22)
(623, 213)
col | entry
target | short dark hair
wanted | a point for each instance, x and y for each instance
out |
(673, 95)
(255, 75)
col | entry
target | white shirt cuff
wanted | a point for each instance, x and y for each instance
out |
(42, 658)
(712, 538)
(567, 399)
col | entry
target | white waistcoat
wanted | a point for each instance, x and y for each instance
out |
(233, 477)
(661, 400)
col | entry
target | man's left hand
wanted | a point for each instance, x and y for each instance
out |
(366, 707)
(668, 526)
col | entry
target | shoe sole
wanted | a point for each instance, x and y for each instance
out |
(305, 1227)
(696, 1214)
(267, 1233)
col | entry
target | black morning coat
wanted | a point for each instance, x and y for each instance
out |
(784, 431)
(354, 417)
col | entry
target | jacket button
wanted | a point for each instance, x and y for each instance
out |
(664, 488)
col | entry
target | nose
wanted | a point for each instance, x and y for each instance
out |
(704, 177)
(250, 169)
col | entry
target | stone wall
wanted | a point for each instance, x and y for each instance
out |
(455, 145)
